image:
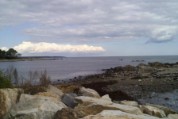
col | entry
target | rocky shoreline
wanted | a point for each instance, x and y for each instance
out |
(74, 102)
(139, 83)
(146, 91)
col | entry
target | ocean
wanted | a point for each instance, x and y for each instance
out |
(70, 67)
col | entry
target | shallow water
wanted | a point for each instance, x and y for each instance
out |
(168, 99)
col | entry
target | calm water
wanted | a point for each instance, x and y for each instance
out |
(79, 66)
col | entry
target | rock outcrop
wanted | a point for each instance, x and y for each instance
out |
(36, 107)
(8, 98)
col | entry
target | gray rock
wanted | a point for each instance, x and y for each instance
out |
(36, 107)
(69, 99)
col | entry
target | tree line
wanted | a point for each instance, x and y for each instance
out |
(9, 54)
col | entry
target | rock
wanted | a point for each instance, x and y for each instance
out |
(106, 104)
(151, 110)
(36, 107)
(173, 116)
(166, 110)
(85, 110)
(65, 113)
(69, 99)
(92, 109)
(55, 90)
(90, 100)
(8, 98)
(116, 114)
(125, 108)
(106, 97)
(88, 92)
(130, 103)
(48, 94)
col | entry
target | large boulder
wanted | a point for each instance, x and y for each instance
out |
(88, 92)
(69, 99)
(103, 104)
(116, 114)
(154, 111)
(36, 107)
(8, 98)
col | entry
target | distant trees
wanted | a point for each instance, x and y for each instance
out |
(10, 54)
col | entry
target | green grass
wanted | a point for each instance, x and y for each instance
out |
(5, 82)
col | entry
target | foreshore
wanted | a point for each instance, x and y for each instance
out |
(146, 91)
(145, 83)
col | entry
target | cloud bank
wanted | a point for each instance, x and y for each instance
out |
(42, 47)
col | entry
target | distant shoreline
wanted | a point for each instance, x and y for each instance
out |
(33, 58)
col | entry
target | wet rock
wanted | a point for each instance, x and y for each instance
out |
(69, 99)
(8, 98)
(130, 103)
(116, 114)
(65, 113)
(151, 110)
(88, 92)
(35, 107)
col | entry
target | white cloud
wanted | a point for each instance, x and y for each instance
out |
(42, 47)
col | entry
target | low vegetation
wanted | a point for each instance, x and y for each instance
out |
(11, 78)
(5, 82)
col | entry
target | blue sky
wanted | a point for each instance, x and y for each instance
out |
(90, 27)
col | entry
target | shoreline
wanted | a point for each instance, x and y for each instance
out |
(33, 58)
(143, 83)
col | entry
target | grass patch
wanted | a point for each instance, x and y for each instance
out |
(5, 82)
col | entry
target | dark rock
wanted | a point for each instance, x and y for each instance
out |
(69, 99)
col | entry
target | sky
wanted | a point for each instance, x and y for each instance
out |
(89, 27)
